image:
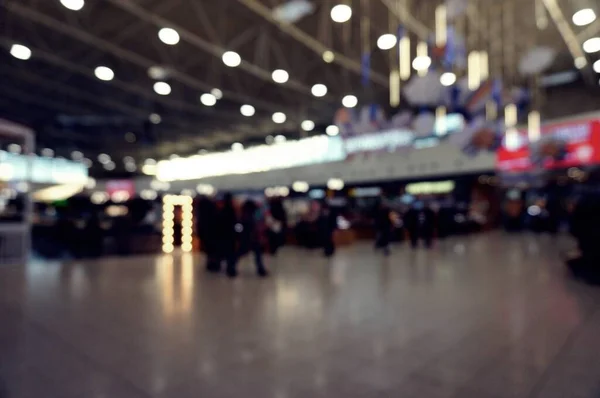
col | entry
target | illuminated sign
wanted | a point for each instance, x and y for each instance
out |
(388, 140)
(425, 188)
(15, 167)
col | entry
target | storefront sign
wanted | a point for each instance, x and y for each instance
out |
(388, 140)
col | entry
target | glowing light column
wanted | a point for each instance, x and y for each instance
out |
(169, 203)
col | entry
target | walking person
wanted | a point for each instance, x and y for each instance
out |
(383, 228)
(251, 237)
(327, 224)
(225, 235)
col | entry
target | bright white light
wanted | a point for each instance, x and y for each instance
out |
(328, 56)
(236, 146)
(247, 110)
(341, 13)
(448, 79)
(103, 158)
(280, 76)
(99, 198)
(300, 186)
(205, 189)
(20, 52)
(162, 88)
(350, 101)
(104, 73)
(208, 99)
(584, 17)
(76, 155)
(332, 130)
(14, 148)
(308, 125)
(155, 118)
(130, 167)
(279, 139)
(47, 152)
(580, 62)
(387, 41)
(150, 162)
(110, 166)
(173, 156)
(597, 66)
(422, 62)
(592, 45)
(335, 184)
(534, 210)
(217, 93)
(279, 117)
(232, 59)
(319, 90)
(73, 5)
(168, 36)
(149, 169)
(90, 183)
(148, 194)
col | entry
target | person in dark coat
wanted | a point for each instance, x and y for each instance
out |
(251, 236)
(585, 228)
(206, 224)
(419, 221)
(225, 235)
(383, 228)
(327, 223)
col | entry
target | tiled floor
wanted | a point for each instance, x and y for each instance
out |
(486, 316)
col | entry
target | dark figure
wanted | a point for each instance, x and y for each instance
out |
(206, 224)
(251, 236)
(225, 235)
(327, 223)
(419, 221)
(93, 236)
(277, 225)
(383, 228)
(585, 227)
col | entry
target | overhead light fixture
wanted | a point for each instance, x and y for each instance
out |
(319, 90)
(280, 76)
(128, 159)
(300, 186)
(104, 73)
(173, 157)
(87, 162)
(110, 166)
(448, 79)
(150, 162)
(350, 101)
(592, 45)
(279, 139)
(387, 41)
(157, 72)
(308, 125)
(47, 152)
(247, 110)
(168, 36)
(236, 146)
(335, 184)
(130, 167)
(279, 117)
(73, 5)
(580, 62)
(208, 99)
(162, 88)
(332, 130)
(584, 17)
(328, 56)
(14, 148)
(155, 118)
(103, 158)
(597, 66)
(404, 57)
(21, 52)
(341, 13)
(231, 59)
(130, 137)
(269, 139)
(217, 93)
(421, 63)
(76, 155)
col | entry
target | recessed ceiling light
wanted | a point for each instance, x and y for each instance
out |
(162, 88)
(597, 66)
(332, 130)
(422, 62)
(580, 62)
(232, 59)
(319, 90)
(208, 99)
(130, 137)
(76, 155)
(308, 125)
(217, 93)
(328, 56)
(73, 5)
(47, 152)
(387, 41)
(110, 166)
(87, 162)
(104, 73)
(448, 79)
(14, 148)
(236, 146)
(19, 51)
(350, 101)
(279, 139)
(157, 72)
(584, 17)
(155, 118)
(280, 76)
(150, 162)
(341, 13)
(247, 110)
(168, 36)
(592, 45)
(130, 167)
(173, 157)
(103, 158)
(128, 159)
(269, 139)
(279, 117)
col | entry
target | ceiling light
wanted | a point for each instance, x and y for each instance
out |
(173, 157)
(155, 118)
(279, 117)
(387, 41)
(422, 62)
(332, 130)
(87, 162)
(580, 62)
(247, 110)
(280, 76)
(448, 79)
(73, 5)
(308, 125)
(20, 52)
(269, 139)
(208, 99)
(103, 158)
(104, 73)
(592, 45)
(232, 59)
(128, 159)
(76, 155)
(319, 90)
(335, 184)
(168, 36)
(350, 101)
(584, 17)
(280, 139)
(217, 93)
(157, 72)
(130, 137)
(110, 166)
(328, 56)
(150, 162)
(14, 148)
(597, 66)
(341, 13)
(130, 167)
(47, 152)
(202, 152)
(162, 88)
(237, 146)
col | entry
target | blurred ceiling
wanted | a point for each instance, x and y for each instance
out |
(57, 93)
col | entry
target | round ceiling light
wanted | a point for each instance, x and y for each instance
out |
(269, 139)
(158, 72)
(319, 90)
(130, 167)
(279, 117)
(103, 158)
(47, 152)
(208, 99)
(350, 101)
(332, 130)
(341, 13)
(308, 125)
(168, 36)
(104, 73)
(154, 118)
(217, 93)
(236, 146)
(422, 62)
(73, 5)
(592, 45)
(76, 155)
(110, 166)
(232, 59)
(580, 62)
(280, 76)
(19, 51)
(247, 110)
(279, 139)
(328, 56)
(597, 66)
(162, 88)
(584, 17)
(448, 79)
(387, 41)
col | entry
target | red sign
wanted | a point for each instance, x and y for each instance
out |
(120, 186)
(581, 140)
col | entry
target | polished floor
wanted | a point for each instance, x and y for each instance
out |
(485, 316)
